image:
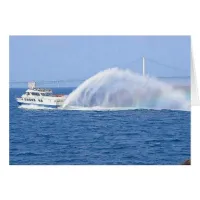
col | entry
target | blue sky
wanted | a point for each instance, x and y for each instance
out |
(79, 57)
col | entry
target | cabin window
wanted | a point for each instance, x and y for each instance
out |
(46, 94)
(35, 93)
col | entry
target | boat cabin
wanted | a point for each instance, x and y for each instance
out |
(39, 92)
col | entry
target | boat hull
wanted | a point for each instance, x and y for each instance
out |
(41, 105)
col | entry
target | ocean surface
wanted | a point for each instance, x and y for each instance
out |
(82, 137)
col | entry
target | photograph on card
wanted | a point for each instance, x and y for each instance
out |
(99, 100)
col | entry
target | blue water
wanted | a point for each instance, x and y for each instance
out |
(126, 137)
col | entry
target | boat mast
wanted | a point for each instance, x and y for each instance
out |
(143, 66)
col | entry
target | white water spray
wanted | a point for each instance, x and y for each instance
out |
(117, 88)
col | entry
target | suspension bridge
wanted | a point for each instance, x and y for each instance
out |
(133, 65)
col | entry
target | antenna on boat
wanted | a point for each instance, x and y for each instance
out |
(143, 66)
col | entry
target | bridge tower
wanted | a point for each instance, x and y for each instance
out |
(143, 66)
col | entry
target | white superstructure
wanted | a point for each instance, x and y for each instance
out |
(41, 97)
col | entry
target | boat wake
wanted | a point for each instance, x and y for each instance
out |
(97, 108)
(35, 107)
(119, 89)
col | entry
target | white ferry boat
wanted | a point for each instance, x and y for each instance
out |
(41, 97)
